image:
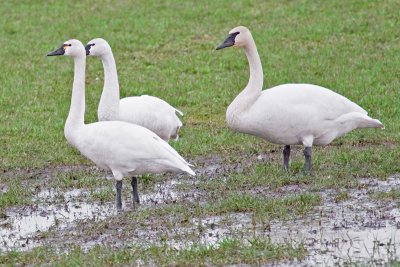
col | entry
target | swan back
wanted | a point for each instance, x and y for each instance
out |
(152, 113)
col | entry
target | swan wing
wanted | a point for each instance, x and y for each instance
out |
(152, 113)
(311, 98)
(128, 148)
(290, 113)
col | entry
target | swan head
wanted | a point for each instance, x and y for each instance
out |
(97, 47)
(238, 37)
(73, 48)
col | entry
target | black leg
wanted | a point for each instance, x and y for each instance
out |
(118, 200)
(286, 156)
(307, 163)
(135, 195)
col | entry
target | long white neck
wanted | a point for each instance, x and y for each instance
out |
(109, 101)
(76, 114)
(254, 87)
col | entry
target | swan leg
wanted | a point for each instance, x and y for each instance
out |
(118, 200)
(307, 163)
(135, 195)
(286, 156)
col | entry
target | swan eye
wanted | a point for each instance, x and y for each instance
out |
(65, 46)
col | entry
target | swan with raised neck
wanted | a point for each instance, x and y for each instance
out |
(76, 115)
(290, 114)
(148, 111)
(123, 148)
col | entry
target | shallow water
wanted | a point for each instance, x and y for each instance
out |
(356, 230)
(23, 224)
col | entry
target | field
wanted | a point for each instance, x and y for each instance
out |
(242, 208)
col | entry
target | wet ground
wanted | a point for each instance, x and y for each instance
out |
(358, 228)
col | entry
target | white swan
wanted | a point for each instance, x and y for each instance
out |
(123, 148)
(290, 114)
(148, 111)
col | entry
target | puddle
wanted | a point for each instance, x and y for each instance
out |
(164, 193)
(22, 226)
(356, 230)
(168, 192)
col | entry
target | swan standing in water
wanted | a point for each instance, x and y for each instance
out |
(123, 148)
(148, 111)
(290, 114)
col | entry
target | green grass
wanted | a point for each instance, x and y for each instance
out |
(392, 195)
(168, 50)
(164, 50)
(269, 208)
(229, 251)
(16, 194)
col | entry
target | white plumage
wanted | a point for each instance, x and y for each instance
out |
(148, 111)
(124, 148)
(290, 114)
(127, 149)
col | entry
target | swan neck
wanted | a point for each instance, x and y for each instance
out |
(244, 101)
(109, 102)
(256, 72)
(76, 114)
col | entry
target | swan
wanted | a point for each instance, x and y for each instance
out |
(290, 114)
(120, 147)
(150, 112)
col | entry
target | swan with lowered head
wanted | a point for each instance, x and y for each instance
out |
(150, 112)
(290, 114)
(123, 148)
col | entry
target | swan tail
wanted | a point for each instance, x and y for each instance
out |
(356, 120)
(178, 111)
(189, 170)
(369, 122)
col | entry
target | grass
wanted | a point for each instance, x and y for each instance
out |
(229, 251)
(392, 195)
(15, 195)
(167, 50)
(352, 49)
(265, 207)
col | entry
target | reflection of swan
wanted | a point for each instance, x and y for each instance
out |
(290, 114)
(124, 148)
(148, 111)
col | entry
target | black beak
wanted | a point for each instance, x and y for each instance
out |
(229, 41)
(87, 48)
(59, 52)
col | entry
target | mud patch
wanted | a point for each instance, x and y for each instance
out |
(24, 228)
(358, 229)
(169, 192)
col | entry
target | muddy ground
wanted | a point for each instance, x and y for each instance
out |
(357, 228)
